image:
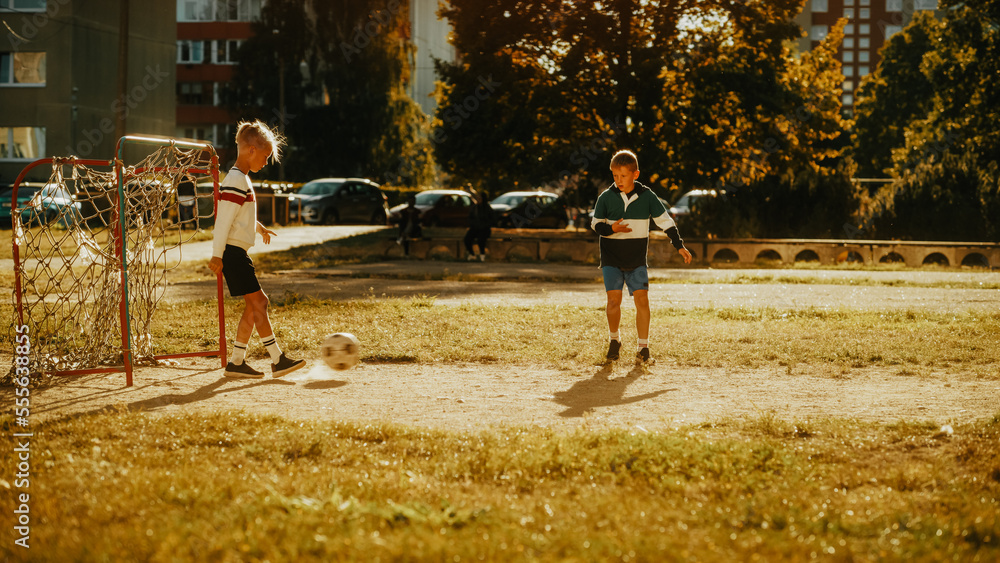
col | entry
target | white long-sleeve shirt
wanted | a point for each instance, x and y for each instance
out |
(236, 215)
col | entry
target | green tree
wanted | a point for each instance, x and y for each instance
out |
(706, 91)
(345, 66)
(947, 179)
(893, 96)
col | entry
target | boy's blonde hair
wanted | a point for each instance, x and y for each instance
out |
(625, 158)
(258, 134)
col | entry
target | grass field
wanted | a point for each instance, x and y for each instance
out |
(118, 486)
(239, 486)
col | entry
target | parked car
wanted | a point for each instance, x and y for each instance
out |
(439, 208)
(25, 192)
(530, 210)
(687, 201)
(340, 200)
(42, 203)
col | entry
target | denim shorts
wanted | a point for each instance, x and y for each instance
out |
(615, 278)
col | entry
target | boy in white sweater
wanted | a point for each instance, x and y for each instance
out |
(235, 228)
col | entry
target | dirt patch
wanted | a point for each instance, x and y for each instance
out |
(477, 396)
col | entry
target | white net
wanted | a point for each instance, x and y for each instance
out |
(69, 267)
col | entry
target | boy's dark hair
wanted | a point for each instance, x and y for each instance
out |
(625, 158)
(258, 134)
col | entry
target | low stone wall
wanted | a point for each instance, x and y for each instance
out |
(515, 245)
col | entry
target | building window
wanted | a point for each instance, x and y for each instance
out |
(195, 10)
(866, 2)
(865, 43)
(848, 42)
(893, 5)
(891, 30)
(217, 10)
(848, 99)
(925, 4)
(863, 70)
(864, 57)
(848, 2)
(865, 29)
(22, 143)
(22, 69)
(820, 6)
(848, 56)
(848, 70)
(866, 13)
(192, 94)
(225, 51)
(819, 32)
(849, 13)
(22, 5)
(849, 29)
(191, 52)
(848, 85)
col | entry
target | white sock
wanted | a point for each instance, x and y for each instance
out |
(272, 348)
(643, 343)
(614, 336)
(239, 352)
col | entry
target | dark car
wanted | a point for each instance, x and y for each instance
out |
(340, 200)
(25, 192)
(530, 210)
(41, 204)
(439, 208)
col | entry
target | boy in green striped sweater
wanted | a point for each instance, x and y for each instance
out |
(622, 217)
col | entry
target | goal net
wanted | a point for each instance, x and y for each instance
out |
(94, 245)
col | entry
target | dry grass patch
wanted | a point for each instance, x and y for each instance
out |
(240, 487)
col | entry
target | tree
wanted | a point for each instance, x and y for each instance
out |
(893, 96)
(706, 91)
(345, 67)
(947, 179)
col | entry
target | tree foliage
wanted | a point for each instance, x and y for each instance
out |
(707, 92)
(345, 65)
(945, 161)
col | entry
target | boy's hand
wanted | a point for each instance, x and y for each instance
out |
(686, 254)
(265, 233)
(618, 227)
(215, 264)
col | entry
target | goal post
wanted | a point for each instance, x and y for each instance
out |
(92, 250)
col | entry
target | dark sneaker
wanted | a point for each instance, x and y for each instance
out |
(242, 370)
(642, 357)
(286, 366)
(613, 348)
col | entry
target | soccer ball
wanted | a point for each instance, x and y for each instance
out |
(340, 351)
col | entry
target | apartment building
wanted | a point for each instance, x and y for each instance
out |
(58, 79)
(870, 24)
(209, 33)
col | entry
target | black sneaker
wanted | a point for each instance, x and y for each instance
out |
(613, 348)
(286, 366)
(242, 370)
(642, 357)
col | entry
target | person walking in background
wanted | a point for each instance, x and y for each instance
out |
(480, 226)
(409, 224)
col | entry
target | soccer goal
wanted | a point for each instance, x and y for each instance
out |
(92, 249)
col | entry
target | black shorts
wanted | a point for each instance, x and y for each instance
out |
(237, 268)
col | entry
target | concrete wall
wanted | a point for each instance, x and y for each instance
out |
(522, 246)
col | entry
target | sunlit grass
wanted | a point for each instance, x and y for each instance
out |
(232, 486)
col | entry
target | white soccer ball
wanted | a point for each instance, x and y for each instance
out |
(340, 351)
